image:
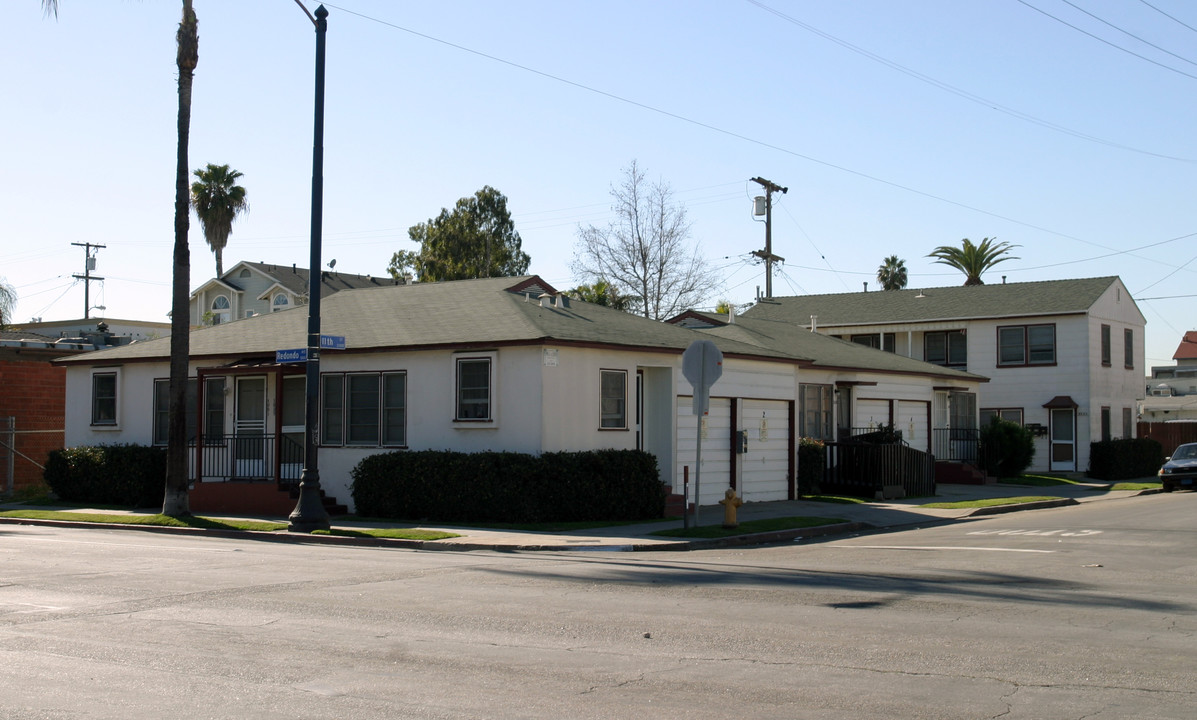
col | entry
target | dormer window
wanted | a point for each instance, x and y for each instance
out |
(280, 303)
(220, 310)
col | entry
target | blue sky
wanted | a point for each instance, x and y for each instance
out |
(897, 127)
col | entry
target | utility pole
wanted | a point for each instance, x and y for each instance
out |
(89, 264)
(767, 254)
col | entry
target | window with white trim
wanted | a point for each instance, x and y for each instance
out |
(103, 398)
(221, 310)
(613, 399)
(280, 303)
(364, 409)
(473, 389)
(815, 411)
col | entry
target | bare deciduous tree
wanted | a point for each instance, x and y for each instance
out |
(645, 252)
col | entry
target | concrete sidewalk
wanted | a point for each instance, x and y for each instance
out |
(639, 537)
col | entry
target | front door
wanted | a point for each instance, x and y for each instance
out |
(250, 459)
(1063, 439)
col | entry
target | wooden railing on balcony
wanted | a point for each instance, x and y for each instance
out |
(863, 469)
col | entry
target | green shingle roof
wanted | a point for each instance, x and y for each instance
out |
(467, 312)
(1051, 297)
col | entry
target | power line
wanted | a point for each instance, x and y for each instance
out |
(1161, 12)
(1107, 42)
(971, 97)
(1128, 33)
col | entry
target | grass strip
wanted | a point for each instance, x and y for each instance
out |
(750, 527)
(837, 499)
(1136, 486)
(989, 502)
(1039, 480)
(389, 533)
(192, 521)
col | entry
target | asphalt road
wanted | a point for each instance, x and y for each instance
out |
(1079, 612)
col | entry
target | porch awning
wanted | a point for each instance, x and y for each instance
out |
(1061, 402)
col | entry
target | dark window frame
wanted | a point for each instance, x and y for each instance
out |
(344, 419)
(1026, 344)
(103, 407)
(954, 341)
(1107, 352)
(1128, 348)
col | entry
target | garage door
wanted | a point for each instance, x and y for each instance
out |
(871, 413)
(765, 468)
(913, 417)
(716, 449)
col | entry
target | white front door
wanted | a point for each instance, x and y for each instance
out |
(1063, 439)
(249, 429)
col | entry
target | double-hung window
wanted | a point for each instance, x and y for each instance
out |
(364, 409)
(1022, 345)
(1013, 415)
(213, 410)
(473, 389)
(815, 409)
(1128, 350)
(1105, 346)
(103, 398)
(948, 348)
(613, 398)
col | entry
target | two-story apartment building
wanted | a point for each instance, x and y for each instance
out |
(1064, 357)
(248, 289)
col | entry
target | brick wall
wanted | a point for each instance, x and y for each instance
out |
(34, 392)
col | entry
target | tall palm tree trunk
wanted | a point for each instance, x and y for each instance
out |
(175, 501)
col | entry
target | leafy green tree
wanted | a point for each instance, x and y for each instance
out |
(476, 240)
(186, 57)
(8, 301)
(218, 201)
(972, 260)
(647, 249)
(892, 273)
(602, 293)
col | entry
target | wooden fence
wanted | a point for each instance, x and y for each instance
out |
(1170, 435)
(863, 470)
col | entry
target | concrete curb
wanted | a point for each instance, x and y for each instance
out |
(633, 545)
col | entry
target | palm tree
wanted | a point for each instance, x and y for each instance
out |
(8, 300)
(603, 293)
(972, 260)
(218, 201)
(187, 55)
(892, 273)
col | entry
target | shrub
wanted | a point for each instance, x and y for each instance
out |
(812, 459)
(1124, 459)
(1007, 448)
(125, 475)
(509, 487)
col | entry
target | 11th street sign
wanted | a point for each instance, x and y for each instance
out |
(298, 355)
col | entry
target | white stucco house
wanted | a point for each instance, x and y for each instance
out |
(248, 289)
(492, 364)
(1063, 357)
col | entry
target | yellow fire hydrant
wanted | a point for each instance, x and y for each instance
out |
(730, 502)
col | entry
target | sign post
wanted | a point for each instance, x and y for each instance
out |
(702, 365)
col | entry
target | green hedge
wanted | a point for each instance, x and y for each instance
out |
(1125, 459)
(127, 475)
(812, 459)
(1007, 448)
(509, 487)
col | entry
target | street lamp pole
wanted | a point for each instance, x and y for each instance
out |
(309, 513)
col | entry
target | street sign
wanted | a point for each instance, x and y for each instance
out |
(702, 365)
(296, 355)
